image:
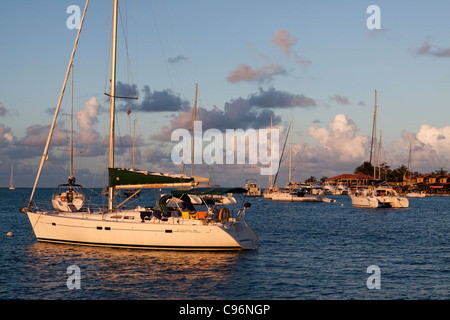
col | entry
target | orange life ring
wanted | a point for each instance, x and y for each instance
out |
(63, 199)
(224, 214)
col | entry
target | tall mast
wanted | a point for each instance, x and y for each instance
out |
(375, 138)
(379, 158)
(194, 117)
(71, 130)
(112, 100)
(270, 173)
(290, 152)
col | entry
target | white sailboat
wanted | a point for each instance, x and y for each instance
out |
(381, 196)
(292, 192)
(11, 183)
(141, 227)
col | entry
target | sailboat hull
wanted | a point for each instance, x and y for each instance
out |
(127, 231)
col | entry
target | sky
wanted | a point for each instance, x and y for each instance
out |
(317, 61)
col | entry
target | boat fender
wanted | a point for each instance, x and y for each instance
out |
(224, 214)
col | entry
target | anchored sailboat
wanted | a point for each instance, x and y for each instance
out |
(70, 196)
(216, 228)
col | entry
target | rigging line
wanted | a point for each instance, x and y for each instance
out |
(52, 126)
(179, 43)
(170, 49)
(160, 42)
(125, 36)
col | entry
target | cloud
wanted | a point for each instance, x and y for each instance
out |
(284, 40)
(241, 113)
(342, 139)
(36, 135)
(272, 98)
(177, 59)
(153, 101)
(246, 73)
(427, 49)
(237, 114)
(87, 118)
(6, 137)
(340, 100)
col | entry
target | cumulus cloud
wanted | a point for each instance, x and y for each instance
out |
(342, 138)
(36, 135)
(5, 136)
(428, 49)
(246, 73)
(430, 147)
(87, 118)
(339, 148)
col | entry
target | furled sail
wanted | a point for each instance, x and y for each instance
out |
(120, 178)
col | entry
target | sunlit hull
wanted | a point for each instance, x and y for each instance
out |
(125, 230)
(286, 197)
(364, 202)
(379, 202)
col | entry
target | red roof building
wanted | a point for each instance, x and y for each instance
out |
(352, 179)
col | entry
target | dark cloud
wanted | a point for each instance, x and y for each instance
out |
(273, 98)
(253, 112)
(340, 99)
(177, 59)
(153, 101)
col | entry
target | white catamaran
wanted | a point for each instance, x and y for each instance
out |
(161, 227)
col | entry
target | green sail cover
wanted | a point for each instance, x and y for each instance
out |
(141, 179)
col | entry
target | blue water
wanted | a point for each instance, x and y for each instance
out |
(317, 251)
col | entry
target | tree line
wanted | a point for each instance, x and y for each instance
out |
(383, 172)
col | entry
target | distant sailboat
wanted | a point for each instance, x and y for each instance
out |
(70, 196)
(11, 184)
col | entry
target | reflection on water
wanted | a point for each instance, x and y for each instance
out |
(307, 251)
(128, 274)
